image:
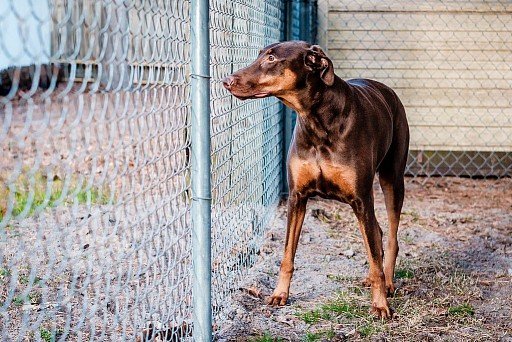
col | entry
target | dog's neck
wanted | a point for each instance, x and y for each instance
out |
(294, 101)
(315, 107)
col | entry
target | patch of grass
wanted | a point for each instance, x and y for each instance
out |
(340, 306)
(459, 282)
(33, 193)
(463, 310)
(312, 337)
(267, 337)
(369, 329)
(4, 272)
(23, 279)
(330, 334)
(50, 336)
(320, 335)
(404, 273)
(31, 298)
(424, 304)
(346, 308)
(313, 316)
(20, 300)
(46, 335)
(341, 278)
(414, 215)
(417, 311)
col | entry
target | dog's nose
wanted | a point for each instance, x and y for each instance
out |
(228, 82)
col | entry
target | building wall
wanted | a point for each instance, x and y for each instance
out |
(26, 43)
(449, 61)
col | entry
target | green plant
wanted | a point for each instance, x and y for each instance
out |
(46, 335)
(342, 308)
(33, 298)
(33, 193)
(404, 273)
(340, 278)
(312, 337)
(23, 279)
(267, 337)
(414, 215)
(313, 316)
(330, 334)
(463, 310)
(367, 330)
(4, 272)
(20, 300)
(319, 335)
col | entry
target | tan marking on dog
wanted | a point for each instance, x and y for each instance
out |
(343, 176)
(292, 100)
(274, 84)
(289, 80)
(283, 87)
(302, 172)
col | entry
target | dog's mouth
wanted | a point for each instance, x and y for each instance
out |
(244, 90)
(253, 96)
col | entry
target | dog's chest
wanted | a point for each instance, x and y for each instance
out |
(322, 177)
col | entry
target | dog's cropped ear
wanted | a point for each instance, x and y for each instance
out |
(316, 59)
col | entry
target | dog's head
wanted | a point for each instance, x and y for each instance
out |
(281, 69)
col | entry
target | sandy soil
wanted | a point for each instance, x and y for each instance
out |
(454, 272)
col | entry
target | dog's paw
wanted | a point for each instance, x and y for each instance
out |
(366, 282)
(382, 311)
(277, 298)
(390, 288)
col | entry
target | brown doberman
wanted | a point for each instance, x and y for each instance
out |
(346, 132)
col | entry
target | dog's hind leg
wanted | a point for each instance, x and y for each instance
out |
(391, 179)
(372, 236)
(393, 188)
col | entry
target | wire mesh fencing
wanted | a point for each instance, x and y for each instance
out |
(449, 61)
(246, 144)
(94, 191)
(95, 226)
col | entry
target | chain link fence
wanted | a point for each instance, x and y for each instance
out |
(94, 191)
(95, 239)
(247, 144)
(95, 226)
(450, 63)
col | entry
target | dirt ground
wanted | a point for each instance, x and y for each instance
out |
(454, 271)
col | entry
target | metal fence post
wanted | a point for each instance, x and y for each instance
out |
(200, 167)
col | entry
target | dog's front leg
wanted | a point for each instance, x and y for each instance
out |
(296, 212)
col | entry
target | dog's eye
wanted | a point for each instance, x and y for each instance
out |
(271, 58)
